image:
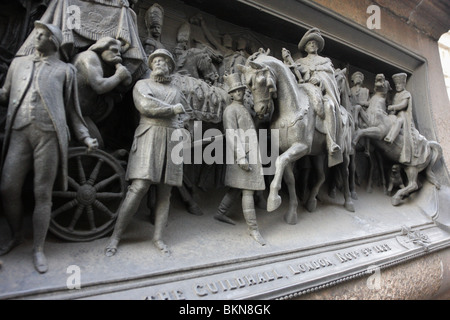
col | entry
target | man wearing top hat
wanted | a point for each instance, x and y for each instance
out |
(43, 104)
(402, 107)
(162, 106)
(319, 71)
(244, 173)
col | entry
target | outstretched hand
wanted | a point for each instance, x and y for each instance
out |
(91, 144)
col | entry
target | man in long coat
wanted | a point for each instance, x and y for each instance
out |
(43, 101)
(244, 173)
(160, 104)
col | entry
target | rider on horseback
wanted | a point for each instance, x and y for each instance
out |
(319, 71)
(402, 107)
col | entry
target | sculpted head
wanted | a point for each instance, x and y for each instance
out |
(48, 37)
(109, 49)
(161, 63)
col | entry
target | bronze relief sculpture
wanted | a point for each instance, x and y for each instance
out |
(185, 84)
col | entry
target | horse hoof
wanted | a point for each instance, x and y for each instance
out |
(273, 203)
(354, 195)
(349, 206)
(395, 201)
(291, 217)
(332, 194)
(311, 205)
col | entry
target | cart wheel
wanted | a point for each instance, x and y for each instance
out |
(88, 209)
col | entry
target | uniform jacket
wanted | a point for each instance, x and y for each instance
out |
(57, 86)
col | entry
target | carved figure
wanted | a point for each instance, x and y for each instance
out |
(231, 58)
(154, 18)
(276, 91)
(99, 73)
(379, 124)
(198, 64)
(319, 71)
(42, 95)
(245, 174)
(160, 104)
(359, 94)
(96, 19)
(402, 107)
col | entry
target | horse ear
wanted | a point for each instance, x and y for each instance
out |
(268, 51)
(256, 65)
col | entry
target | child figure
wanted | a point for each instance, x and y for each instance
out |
(243, 175)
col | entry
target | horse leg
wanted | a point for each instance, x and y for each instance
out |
(412, 174)
(291, 215)
(369, 187)
(294, 153)
(319, 164)
(371, 132)
(345, 173)
(381, 169)
(352, 177)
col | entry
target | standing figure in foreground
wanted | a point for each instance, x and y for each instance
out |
(43, 101)
(160, 104)
(244, 175)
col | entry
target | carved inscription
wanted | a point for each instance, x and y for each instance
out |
(219, 286)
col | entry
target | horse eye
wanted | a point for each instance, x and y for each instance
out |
(261, 80)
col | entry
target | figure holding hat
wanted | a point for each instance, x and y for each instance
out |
(319, 71)
(154, 18)
(402, 107)
(244, 171)
(43, 102)
(161, 105)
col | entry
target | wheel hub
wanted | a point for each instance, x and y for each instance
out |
(86, 194)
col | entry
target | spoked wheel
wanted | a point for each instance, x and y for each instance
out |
(88, 209)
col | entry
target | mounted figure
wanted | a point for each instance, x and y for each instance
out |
(379, 124)
(276, 92)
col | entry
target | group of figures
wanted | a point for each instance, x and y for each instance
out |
(307, 101)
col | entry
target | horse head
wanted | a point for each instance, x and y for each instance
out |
(262, 83)
(381, 84)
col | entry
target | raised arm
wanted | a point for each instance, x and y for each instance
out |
(150, 106)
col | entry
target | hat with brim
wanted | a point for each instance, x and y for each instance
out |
(312, 34)
(233, 81)
(54, 30)
(162, 53)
